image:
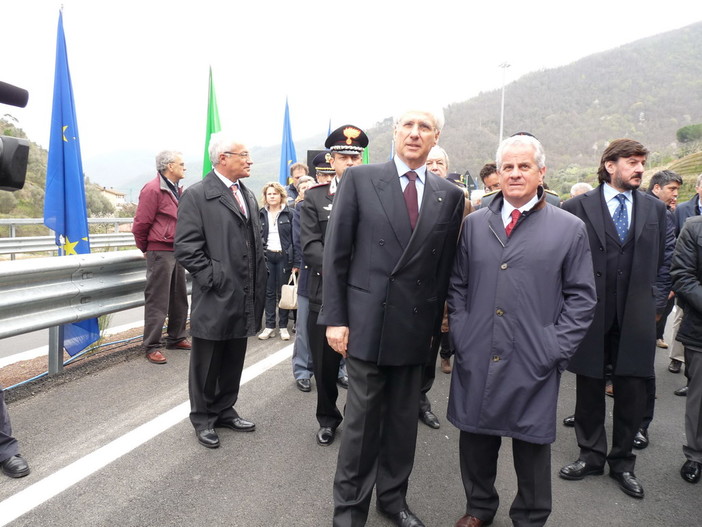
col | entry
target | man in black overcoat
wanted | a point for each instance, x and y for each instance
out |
(218, 240)
(631, 244)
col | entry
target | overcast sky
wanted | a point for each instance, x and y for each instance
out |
(140, 68)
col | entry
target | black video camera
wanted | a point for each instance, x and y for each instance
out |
(14, 151)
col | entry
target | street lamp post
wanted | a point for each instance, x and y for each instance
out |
(504, 67)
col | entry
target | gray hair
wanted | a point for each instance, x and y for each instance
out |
(220, 142)
(437, 150)
(539, 154)
(437, 115)
(580, 188)
(165, 157)
(698, 183)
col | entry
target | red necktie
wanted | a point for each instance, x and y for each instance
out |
(411, 198)
(515, 217)
(237, 198)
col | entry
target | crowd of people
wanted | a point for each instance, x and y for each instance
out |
(396, 267)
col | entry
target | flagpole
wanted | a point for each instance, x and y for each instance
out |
(65, 208)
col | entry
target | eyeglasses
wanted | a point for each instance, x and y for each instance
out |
(245, 155)
(174, 163)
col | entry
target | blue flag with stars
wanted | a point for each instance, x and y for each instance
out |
(65, 210)
(287, 149)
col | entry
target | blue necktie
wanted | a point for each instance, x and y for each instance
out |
(621, 218)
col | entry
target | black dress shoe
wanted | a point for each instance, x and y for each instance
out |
(303, 385)
(404, 518)
(691, 471)
(429, 419)
(674, 366)
(641, 439)
(343, 382)
(17, 467)
(237, 424)
(208, 437)
(628, 483)
(326, 435)
(569, 421)
(577, 470)
(682, 392)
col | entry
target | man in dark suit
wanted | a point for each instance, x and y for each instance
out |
(345, 145)
(389, 248)
(683, 211)
(631, 245)
(218, 240)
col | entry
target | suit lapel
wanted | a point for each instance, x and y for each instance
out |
(592, 205)
(639, 219)
(389, 191)
(432, 202)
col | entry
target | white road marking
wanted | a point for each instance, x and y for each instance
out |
(41, 491)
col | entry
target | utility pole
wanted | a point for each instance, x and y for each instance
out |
(504, 67)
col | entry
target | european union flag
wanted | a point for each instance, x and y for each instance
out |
(65, 210)
(287, 149)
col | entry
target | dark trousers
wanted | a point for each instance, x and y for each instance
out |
(650, 402)
(446, 349)
(278, 274)
(693, 406)
(325, 364)
(532, 463)
(8, 444)
(428, 376)
(165, 294)
(379, 439)
(213, 383)
(590, 411)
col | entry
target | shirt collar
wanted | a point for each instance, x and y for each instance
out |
(402, 169)
(610, 192)
(507, 207)
(227, 182)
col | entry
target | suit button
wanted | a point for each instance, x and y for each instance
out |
(601, 248)
(499, 312)
(419, 282)
(598, 274)
(495, 358)
(503, 266)
(392, 278)
(381, 242)
(415, 310)
(433, 251)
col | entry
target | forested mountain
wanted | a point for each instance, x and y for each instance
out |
(645, 90)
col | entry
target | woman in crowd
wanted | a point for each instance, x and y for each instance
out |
(276, 224)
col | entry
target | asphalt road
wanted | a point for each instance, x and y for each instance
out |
(113, 447)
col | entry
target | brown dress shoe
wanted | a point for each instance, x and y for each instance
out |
(182, 345)
(471, 521)
(156, 357)
(446, 365)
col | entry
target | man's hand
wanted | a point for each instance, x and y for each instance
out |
(338, 338)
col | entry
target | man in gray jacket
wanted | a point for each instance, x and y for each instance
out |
(521, 297)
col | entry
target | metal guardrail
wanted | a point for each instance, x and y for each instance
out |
(12, 223)
(39, 293)
(32, 244)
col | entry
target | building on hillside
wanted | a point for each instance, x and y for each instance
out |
(115, 197)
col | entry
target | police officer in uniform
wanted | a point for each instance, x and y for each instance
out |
(346, 145)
